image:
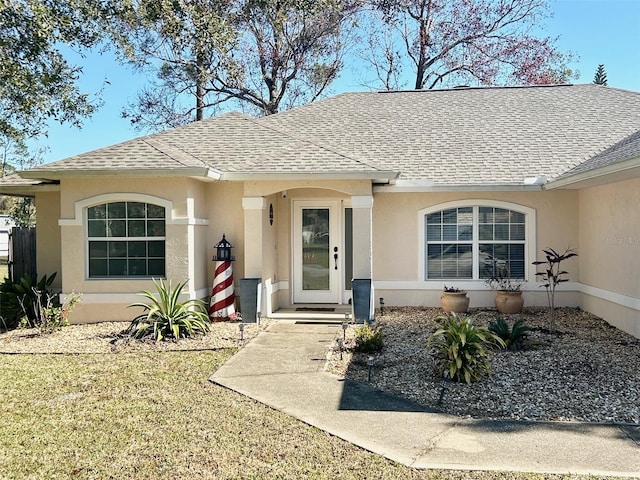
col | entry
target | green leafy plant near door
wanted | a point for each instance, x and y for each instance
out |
(368, 339)
(464, 349)
(168, 317)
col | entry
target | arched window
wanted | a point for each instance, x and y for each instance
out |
(126, 239)
(475, 242)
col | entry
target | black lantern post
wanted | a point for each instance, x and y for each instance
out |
(223, 251)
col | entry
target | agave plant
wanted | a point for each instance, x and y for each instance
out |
(464, 348)
(166, 316)
(513, 337)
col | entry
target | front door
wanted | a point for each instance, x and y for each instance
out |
(317, 259)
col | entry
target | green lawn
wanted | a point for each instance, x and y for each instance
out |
(156, 416)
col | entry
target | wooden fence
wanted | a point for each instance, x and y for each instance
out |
(22, 252)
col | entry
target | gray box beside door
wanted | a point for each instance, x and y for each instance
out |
(250, 299)
(362, 300)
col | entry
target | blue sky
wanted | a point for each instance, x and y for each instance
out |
(597, 31)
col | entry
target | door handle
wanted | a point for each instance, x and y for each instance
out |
(335, 257)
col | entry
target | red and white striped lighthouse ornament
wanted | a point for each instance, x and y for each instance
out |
(221, 307)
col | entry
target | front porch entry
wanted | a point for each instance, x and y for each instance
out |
(328, 242)
(322, 253)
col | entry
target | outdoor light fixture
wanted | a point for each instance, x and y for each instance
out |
(340, 345)
(381, 306)
(370, 365)
(345, 325)
(241, 329)
(258, 317)
(445, 387)
(223, 251)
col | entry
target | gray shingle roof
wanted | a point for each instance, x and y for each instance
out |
(626, 149)
(230, 143)
(475, 135)
(471, 136)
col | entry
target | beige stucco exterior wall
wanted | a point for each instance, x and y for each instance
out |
(600, 222)
(201, 213)
(610, 253)
(107, 299)
(224, 210)
(396, 243)
(48, 258)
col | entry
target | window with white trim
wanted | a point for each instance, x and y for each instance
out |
(475, 242)
(126, 239)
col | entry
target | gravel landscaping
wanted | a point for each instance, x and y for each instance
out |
(585, 371)
(108, 337)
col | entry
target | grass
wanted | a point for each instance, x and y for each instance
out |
(155, 416)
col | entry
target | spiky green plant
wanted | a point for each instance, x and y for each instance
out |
(168, 317)
(513, 337)
(464, 349)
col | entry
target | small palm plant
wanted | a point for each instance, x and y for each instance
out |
(168, 317)
(513, 337)
(464, 348)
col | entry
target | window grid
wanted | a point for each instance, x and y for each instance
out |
(474, 243)
(126, 239)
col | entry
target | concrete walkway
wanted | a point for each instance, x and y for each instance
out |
(283, 367)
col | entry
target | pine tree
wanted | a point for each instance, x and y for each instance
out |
(600, 77)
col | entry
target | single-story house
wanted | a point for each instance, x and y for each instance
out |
(411, 189)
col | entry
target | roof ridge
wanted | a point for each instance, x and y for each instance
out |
(316, 142)
(170, 150)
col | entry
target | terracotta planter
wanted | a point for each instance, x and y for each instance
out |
(509, 301)
(454, 301)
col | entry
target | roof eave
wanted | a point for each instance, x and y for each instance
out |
(28, 190)
(377, 176)
(598, 176)
(432, 187)
(112, 172)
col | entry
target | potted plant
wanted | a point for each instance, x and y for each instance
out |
(508, 291)
(454, 300)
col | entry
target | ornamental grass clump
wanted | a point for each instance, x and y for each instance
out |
(168, 317)
(464, 350)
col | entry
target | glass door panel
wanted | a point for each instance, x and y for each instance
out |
(317, 255)
(315, 249)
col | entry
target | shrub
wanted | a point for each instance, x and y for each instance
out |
(22, 299)
(369, 339)
(464, 349)
(51, 316)
(168, 317)
(513, 337)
